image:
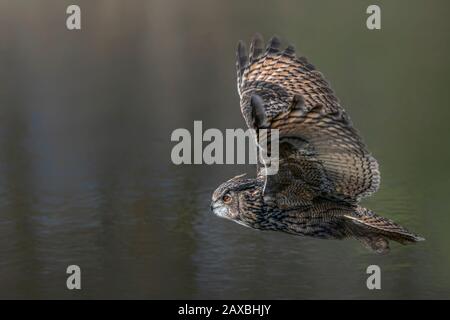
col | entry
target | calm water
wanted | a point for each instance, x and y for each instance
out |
(85, 170)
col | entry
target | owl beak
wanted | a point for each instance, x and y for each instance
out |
(218, 209)
(214, 205)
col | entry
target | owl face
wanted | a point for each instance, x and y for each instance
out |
(228, 200)
(225, 203)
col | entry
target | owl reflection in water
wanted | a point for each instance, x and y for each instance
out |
(325, 168)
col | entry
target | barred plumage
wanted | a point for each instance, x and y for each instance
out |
(324, 166)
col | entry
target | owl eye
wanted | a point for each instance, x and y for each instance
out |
(226, 198)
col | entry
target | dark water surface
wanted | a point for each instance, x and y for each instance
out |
(85, 171)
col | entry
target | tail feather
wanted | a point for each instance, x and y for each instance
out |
(374, 231)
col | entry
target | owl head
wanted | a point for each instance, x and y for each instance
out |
(231, 199)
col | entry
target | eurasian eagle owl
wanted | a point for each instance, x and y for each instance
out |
(324, 166)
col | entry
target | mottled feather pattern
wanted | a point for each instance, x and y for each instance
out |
(324, 166)
(336, 153)
(368, 218)
(275, 70)
(335, 150)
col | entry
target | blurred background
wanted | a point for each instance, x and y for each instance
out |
(85, 171)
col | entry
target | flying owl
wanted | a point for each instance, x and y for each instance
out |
(325, 168)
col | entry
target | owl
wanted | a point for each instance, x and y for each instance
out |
(325, 168)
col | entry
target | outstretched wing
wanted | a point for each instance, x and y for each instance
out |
(277, 76)
(320, 153)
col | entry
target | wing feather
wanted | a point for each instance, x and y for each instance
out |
(321, 154)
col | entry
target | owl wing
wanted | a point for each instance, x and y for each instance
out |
(320, 153)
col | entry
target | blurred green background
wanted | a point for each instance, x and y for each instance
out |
(85, 170)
